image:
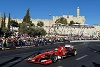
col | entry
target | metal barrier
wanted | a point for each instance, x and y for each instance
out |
(85, 41)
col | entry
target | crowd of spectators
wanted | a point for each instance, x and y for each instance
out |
(26, 40)
(21, 40)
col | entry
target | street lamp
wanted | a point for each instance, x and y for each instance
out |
(11, 27)
(49, 23)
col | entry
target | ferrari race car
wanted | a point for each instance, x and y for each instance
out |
(52, 56)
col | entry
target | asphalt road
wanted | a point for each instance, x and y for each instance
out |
(88, 56)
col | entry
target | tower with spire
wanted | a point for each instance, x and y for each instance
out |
(78, 12)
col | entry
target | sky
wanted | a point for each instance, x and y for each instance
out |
(39, 9)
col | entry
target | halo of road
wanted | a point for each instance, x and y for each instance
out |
(88, 56)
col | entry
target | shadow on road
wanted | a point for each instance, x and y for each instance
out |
(94, 50)
(7, 62)
(96, 64)
(83, 66)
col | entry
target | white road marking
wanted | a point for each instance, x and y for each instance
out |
(95, 51)
(81, 57)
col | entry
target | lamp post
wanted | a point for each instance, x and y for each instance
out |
(49, 24)
(11, 28)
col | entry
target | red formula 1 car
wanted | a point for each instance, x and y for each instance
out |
(52, 56)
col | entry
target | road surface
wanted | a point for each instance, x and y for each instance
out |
(88, 56)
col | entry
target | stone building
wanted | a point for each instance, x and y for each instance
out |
(81, 30)
(48, 22)
(76, 19)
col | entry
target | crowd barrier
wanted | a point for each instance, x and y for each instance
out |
(85, 41)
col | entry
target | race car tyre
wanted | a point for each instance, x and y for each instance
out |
(74, 52)
(54, 58)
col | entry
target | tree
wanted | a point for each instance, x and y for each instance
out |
(26, 18)
(27, 24)
(5, 31)
(24, 27)
(37, 31)
(9, 19)
(71, 23)
(62, 20)
(13, 23)
(32, 24)
(40, 23)
(1, 33)
(3, 21)
(28, 27)
(40, 31)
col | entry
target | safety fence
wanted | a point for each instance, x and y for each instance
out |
(85, 41)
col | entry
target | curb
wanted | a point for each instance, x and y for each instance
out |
(11, 48)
